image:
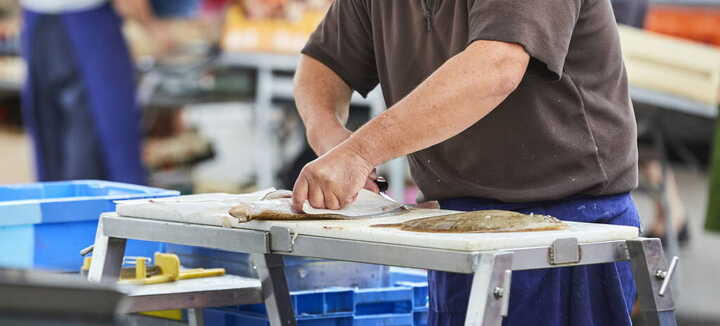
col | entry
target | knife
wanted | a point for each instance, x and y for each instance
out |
(383, 185)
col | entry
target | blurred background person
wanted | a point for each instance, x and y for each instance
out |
(79, 97)
(633, 13)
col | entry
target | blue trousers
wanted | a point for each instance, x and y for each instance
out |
(592, 295)
(79, 102)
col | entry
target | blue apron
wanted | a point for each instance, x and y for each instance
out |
(79, 102)
(593, 295)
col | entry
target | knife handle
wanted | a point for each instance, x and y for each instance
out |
(382, 184)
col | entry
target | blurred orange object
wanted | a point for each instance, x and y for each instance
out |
(277, 26)
(700, 24)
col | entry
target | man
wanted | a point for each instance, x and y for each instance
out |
(503, 104)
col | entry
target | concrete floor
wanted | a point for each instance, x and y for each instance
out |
(697, 298)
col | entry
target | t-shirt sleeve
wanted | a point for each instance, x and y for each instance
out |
(543, 27)
(343, 42)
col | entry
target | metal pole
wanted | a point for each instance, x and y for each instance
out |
(671, 240)
(107, 257)
(490, 293)
(650, 271)
(196, 317)
(270, 270)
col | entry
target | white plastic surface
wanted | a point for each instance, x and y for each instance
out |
(211, 208)
(360, 229)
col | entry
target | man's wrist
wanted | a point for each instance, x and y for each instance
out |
(364, 150)
(323, 138)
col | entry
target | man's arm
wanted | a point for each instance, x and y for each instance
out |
(323, 101)
(458, 94)
(461, 92)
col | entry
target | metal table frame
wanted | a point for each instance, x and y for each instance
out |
(492, 270)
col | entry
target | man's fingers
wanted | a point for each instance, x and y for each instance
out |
(300, 193)
(371, 185)
(315, 196)
(373, 175)
(347, 201)
(331, 201)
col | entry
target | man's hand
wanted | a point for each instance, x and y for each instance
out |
(323, 143)
(332, 181)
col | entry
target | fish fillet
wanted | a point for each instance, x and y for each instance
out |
(480, 222)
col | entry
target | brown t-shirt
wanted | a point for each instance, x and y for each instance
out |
(568, 129)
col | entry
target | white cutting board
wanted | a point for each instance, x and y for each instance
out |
(360, 229)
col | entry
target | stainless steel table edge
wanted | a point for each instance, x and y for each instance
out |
(489, 298)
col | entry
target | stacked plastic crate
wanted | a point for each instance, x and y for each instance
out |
(402, 305)
(331, 307)
(417, 281)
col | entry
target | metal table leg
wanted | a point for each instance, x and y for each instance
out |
(270, 270)
(107, 257)
(196, 317)
(652, 277)
(490, 293)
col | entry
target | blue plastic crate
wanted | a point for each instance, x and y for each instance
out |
(331, 301)
(224, 317)
(406, 319)
(420, 293)
(420, 317)
(45, 225)
(391, 300)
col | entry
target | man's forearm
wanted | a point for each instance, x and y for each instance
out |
(461, 92)
(323, 101)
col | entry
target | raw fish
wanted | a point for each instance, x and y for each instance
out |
(480, 222)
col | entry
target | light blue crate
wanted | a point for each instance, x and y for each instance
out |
(44, 225)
